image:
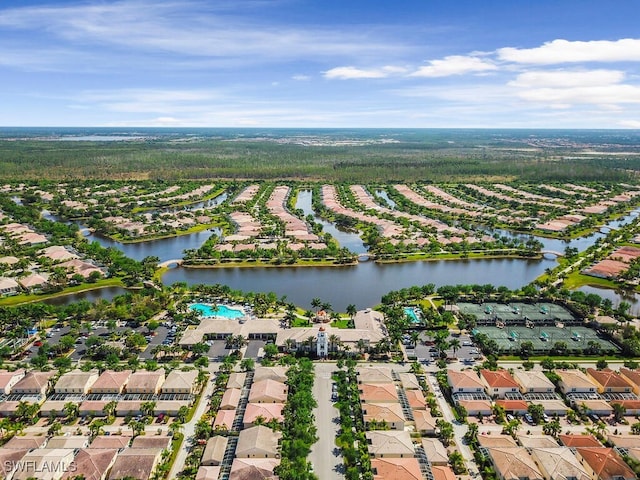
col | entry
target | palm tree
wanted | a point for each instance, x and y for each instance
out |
(351, 310)
(147, 408)
(316, 303)
(454, 344)
(71, 410)
(110, 408)
(333, 341)
(618, 411)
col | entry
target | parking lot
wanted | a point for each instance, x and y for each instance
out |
(427, 352)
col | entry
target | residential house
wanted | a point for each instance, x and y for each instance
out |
(574, 381)
(606, 463)
(236, 379)
(163, 442)
(258, 442)
(609, 381)
(533, 381)
(633, 377)
(516, 407)
(464, 381)
(436, 453)
(44, 464)
(498, 383)
(77, 382)
(559, 463)
(143, 381)
(206, 472)
(35, 383)
(378, 392)
(8, 286)
(425, 423)
(277, 373)
(268, 391)
(409, 381)
(9, 379)
(389, 413)
(224, 420)
(574, 441)
(537, 441)
(477, 407)
(92, 464)
(265, 411)
(376, 374)
(496, 441)
(390, 443)
(179, 381)
(396, 469)
(441, 472)
(8, 459)
(115, 442)
(111, 382)
(136, 463)
(514, 463)
(214, 451)
(631, 407)
(253, 468)
(230, 399)
(70, 441)
(416, 399)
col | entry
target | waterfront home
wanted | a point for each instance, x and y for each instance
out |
(33, 281)
(464, 381)
(76, 381)
(57, 253)
(214, 451)
(559, 463)
(179, 381)
(396, 469)
(143, 381)
(514, 463)
(258, 442)
(9, 379)
(111, 382)
(92, 464)
(574, 381)
(498, 383)
(268, 391)
(8, 286)
(392, 443)
(533, 381)
(608, 381)
(605, 463)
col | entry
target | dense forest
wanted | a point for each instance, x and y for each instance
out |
(354, 156)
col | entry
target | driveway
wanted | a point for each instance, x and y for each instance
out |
(325, 456)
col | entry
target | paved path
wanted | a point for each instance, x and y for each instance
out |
(189, 428)
(327, 465)
(459, 429)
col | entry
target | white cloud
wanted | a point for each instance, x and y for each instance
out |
(301, 78)
(565, 51)
(596, 95)
(629, 123)
(454, 65)
(349, 73)
(567, 78)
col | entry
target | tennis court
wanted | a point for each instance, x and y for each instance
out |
(518, 313)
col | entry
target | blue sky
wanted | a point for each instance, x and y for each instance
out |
(321, 63)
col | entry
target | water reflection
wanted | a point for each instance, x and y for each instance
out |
(616, 296)
(107, 293)
(349, 240)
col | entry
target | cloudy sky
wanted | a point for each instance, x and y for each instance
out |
(320, 63)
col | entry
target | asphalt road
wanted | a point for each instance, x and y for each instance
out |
(325, 456)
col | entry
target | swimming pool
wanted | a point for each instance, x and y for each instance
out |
(412, 314)
(207, 310)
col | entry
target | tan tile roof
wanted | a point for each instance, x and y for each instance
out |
(253, 469)
(575, 379)
(533, 379)
(258, 441)
(379, 374)
(112, 441)
(514, 462)
(513, 405)
(424, 421)
(236, 380)
(26, 441)
(278, 373)
(177, 379)
(206, 472)
(436, 453)
(266, 410)
(92, 463)
(560, 463)
(390, 442)
(464, 379)
(495, 441)
(389, 412)
(144, 380)
(76, 379)
(268, 391)
(224, 419)
(33, 381)
(155, 441)
(136, 463)
(606, 463)
(230, 399)
(214, 451)
(112, 380)
(9, 458)
(416, 399)
(537, 441)
(442, 472)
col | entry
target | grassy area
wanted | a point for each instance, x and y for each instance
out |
(340, 323)
(178, 233)
(576, 279)
(301, 322)
(83, 287)
(454, 256)
(269, 264)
